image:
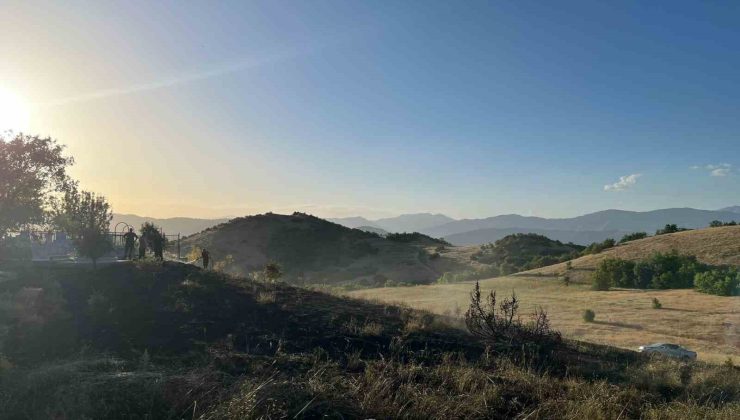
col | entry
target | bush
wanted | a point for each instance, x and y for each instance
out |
(589, 315)
(565, 280)
(657, 304)
(721, 281)
(500, 323)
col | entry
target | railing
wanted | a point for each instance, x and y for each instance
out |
(39, 245)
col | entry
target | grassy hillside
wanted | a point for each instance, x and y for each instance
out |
(522, 251)
(715, 246)
(707, 324)
(173, 341)
(315, 251)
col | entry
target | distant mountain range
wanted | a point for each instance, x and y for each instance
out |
(404, 223)
(173, 225)
(581, 230)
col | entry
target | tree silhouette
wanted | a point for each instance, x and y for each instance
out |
(31, 169)
(86, 217)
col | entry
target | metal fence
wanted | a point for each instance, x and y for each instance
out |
(39, 245)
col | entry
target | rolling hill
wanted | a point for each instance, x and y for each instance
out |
(484, 236)
(315, 251)
(625, 318)
(715, 246)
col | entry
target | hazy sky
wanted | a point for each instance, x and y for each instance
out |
(376, 108)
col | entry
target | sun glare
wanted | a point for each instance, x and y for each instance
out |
(15, 113)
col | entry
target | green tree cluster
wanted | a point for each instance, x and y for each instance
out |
(661, 271)
(719, 223)
(597, 247)
(525, 251)
(719, 281)
(670, 228)
(633, 237)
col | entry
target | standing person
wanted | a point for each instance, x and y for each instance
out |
(130, 237)
(158, 247)
(206, 256)
(142, 246)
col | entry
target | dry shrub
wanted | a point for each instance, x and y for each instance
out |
(499, 322)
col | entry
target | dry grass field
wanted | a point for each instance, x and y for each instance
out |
(709, 325)
(716, 246)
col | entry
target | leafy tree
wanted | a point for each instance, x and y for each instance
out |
(86, 217)
(31, 169)
(643, 274)
(721, 281)
(153, 233)
(614, 272)
(154, 237)
(633, 237)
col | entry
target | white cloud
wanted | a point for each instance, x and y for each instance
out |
(721, 169)
(624, 183)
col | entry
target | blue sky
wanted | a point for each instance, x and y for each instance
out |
(471, 108)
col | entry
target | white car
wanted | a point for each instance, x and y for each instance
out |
(670, 350)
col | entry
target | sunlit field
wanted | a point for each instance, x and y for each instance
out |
(624, 318)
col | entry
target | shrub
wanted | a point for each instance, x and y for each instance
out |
(657, 304)
(721, 281)
(565, 280)
(499, 322)
(589, 315)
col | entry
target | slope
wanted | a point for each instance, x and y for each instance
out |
(174, 341)
(715, 246)
(314, 251)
